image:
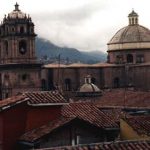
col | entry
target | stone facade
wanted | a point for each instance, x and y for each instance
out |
(19, 70)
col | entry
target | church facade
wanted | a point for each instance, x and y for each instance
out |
(19, 70)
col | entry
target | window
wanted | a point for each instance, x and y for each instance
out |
(129, 58)
(22, 47)
(140, 58)
(24, 77)
(119, 59)
(93, 80)
(6, 47)
(116, 82)
(22, 29)
(43, 85)
(68, 84)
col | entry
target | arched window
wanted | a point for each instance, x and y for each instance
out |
(43, 85)
(68, 84)
(129, 58)
(22, 29)
(93, 80)
(116, 82)
(6, 47)
(22, 46)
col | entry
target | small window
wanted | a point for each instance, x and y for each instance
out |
(140, 58)
(24, 77)
(93, 80)
(116, 82)
(31, 30)
(22, 29)
(22, 47)
(119, 59)
(13, 29)
(6, 47)
(68, 84)
(129, 58)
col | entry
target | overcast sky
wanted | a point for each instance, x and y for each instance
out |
(82, 24)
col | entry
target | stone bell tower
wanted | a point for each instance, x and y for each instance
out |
(17, 38)
(19, 69)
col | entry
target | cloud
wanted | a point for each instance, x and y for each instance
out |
(82, 24)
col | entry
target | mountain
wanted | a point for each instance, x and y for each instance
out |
(49, 52)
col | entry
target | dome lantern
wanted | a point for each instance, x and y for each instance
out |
(16, 7)
(133, 18)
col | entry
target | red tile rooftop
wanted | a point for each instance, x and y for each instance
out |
(122, 98)
(83, 111)
(120, 145)
(141, 124)
(9, 102)
(88, 112)
(45, 97)
(35, 134)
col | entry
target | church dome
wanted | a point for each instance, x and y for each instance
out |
(17, 13)
(130, 34)
(133, 36)
(88, 88)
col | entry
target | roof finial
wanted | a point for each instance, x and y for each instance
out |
(16, 7)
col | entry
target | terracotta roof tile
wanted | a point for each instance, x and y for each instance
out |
(88, 112)
(83, 111)
(120, 145)
(45, 129)
(135, 99)
(9, 102)
(43, 97)
(141, 124)
(114, 113)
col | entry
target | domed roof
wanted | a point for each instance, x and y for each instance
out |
(133, 36)
(17, 13)
(89, 87)
(130, 34)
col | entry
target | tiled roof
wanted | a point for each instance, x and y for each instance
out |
(121, 145)
(89, 112)
(141, 124)
(116, 97)
(45, 97)
(114, 113)
(9, 102)
(83, 111)
(35, 134)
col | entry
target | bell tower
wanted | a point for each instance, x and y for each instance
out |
(19, 69)
(17, 38)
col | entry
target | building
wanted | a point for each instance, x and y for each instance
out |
(25, 112)
(19, 69)
(79, 123)
(128, 63)
(12, 121)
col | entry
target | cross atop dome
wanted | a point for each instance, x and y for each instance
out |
(133, 18)
(16, 7)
